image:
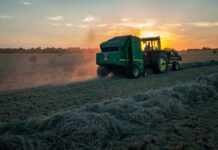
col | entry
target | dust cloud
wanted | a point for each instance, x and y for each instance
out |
(19, 71)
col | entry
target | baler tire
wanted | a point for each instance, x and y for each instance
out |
(102, 71)
(147, 72)
(132, 71)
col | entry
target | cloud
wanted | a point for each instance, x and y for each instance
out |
(54, 24)
(56, 18)
(101, 25)
(82, 26)
(68, 25)
(26, 3)
(91, 18)
(205, 24)
(136, 25)
(126, 19)
(173, 25)
(6, 17)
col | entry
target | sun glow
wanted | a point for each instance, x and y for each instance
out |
(165, 37)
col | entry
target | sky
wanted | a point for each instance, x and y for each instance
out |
(181, 24)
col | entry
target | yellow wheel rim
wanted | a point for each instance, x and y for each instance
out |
(162, 64)
(177, 67)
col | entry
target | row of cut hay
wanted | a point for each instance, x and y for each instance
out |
(104, 125)
(199, 64)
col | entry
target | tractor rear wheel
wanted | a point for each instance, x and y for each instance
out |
(176, 66)
(160, 63)
(133, 71)
(102, 71)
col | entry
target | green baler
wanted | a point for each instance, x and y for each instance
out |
(125, 53)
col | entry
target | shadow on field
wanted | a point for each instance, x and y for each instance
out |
(107, 125)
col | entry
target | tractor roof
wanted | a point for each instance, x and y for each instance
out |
(151, 39)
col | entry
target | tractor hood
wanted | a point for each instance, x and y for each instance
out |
(116, 42)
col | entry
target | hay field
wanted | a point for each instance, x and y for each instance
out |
(198, 56)
(19, 71)
(177, 110)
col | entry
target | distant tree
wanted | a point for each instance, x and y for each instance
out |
(206, 48)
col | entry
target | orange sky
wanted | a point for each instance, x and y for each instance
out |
(181, 24)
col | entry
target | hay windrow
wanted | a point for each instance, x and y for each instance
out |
(102, 125)
(199, 64)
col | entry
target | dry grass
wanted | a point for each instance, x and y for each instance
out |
(83, 116)
(198, 56)
(46, 101)
(103, 125)
(20, 71)
(199, 64)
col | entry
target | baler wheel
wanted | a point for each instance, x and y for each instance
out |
(133, 71)
(102, 71)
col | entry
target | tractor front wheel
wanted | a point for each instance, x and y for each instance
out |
(102, 71)
(133, 71)
(176, 66)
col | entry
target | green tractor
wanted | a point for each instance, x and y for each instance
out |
(126, 53)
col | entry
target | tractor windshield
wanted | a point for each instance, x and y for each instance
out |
(152, 43)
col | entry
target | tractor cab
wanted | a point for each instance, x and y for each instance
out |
(152, 46)
(152, 43)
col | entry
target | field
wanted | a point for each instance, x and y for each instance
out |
(19, 71)
(68, 107)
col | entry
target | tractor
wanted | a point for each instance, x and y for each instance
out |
(126, 53)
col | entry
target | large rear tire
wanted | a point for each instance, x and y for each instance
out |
(102, 71)
(133, 71)
(160, 63)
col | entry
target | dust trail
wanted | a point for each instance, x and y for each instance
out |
(106, 125)
(23, 70)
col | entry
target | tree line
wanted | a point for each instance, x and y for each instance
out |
(48, 50)
(203, 49)
(75, 50)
